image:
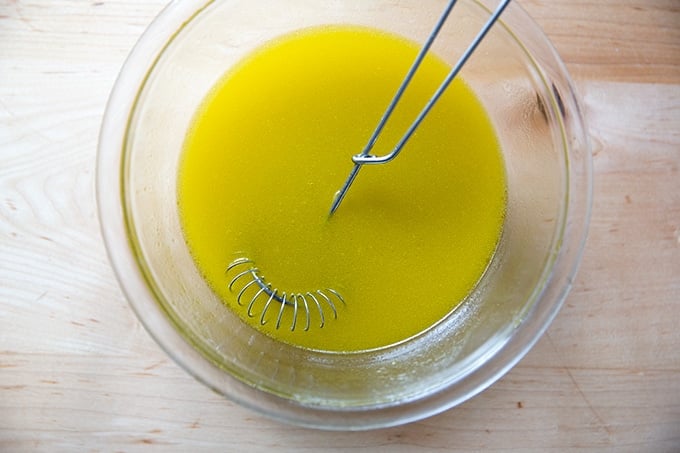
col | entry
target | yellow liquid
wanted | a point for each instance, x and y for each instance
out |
(271, 145)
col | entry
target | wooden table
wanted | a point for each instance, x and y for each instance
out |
(79, 373)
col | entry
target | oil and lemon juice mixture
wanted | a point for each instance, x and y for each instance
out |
(273, 142)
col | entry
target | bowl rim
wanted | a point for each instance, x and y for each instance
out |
(139, 291)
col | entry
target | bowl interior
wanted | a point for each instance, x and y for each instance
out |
(526, 92)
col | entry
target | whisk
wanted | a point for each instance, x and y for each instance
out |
(365, 157)
(262, 293)
(247, 278)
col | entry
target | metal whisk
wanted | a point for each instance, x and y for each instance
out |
(254, 290)
(365, 157)
(262, 294)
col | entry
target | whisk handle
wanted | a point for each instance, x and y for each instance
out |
(361, 159)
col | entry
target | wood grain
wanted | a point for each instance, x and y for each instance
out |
(625, 41)
(78, 372)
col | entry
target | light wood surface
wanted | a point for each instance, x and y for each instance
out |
(79, 373)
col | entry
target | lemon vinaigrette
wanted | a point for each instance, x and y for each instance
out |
(272, 143)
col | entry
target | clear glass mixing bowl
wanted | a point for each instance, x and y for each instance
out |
(527, 92)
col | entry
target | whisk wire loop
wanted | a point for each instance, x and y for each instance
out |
(245, 280)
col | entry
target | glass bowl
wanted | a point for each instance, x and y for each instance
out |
(529, 97)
